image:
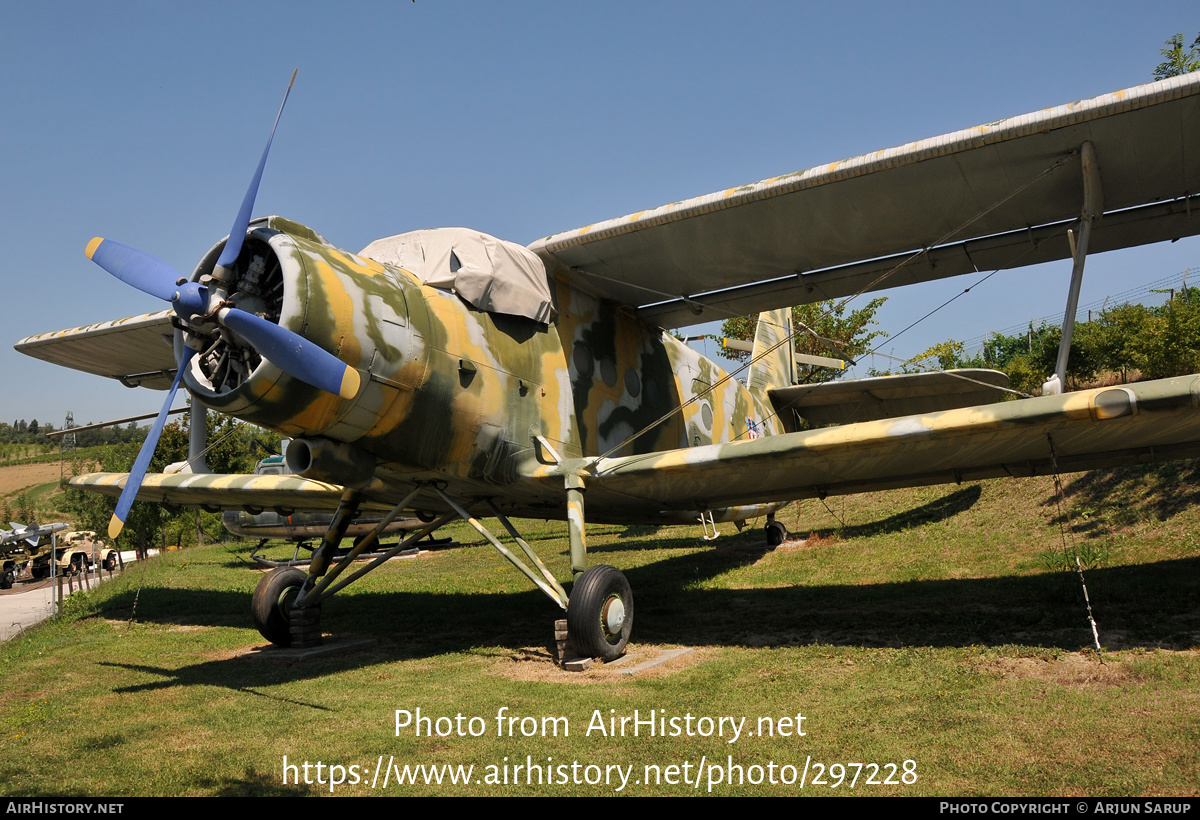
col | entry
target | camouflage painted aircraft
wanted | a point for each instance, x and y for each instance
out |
(454, 375)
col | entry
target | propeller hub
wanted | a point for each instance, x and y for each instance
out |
(190, 299)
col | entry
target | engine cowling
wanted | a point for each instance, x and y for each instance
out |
(351, 307)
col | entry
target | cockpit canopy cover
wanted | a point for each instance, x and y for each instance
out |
(491, 274)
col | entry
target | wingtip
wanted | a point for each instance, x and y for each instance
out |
(91, 246)
(115, 525)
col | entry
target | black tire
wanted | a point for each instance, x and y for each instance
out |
(110, 563)
(6, 580)
(776, 534)
(595, 627)
(272, 603)
(40, 571)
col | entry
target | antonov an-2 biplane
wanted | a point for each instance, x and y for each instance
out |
(451, 374)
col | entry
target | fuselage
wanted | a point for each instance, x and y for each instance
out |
(486, 404)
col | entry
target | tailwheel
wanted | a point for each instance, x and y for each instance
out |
(272, 603)
(600, 613)
(776, 534)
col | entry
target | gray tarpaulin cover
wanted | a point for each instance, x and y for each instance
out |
(491, 274)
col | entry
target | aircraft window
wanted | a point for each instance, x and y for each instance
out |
(608, 371)
(633, 384)
(581, 357)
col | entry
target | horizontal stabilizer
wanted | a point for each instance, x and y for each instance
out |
(886, 397)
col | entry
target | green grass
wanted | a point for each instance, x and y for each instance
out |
(919, 625)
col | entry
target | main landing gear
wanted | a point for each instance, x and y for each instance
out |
(776, 532)
(272, 604)
(287, 601)
(600, 613)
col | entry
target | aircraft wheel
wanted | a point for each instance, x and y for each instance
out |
(600, 613)
(272, 603)
(776, 534)
(6, 580)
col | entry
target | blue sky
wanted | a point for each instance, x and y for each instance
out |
(142, 122)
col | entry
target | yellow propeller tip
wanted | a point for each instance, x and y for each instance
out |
(115, 525)
(350, 383)
(91, 246)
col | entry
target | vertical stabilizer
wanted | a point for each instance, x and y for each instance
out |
(776, 368)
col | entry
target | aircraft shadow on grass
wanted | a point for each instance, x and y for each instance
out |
(940, 509)
(1042, 611)
(1100, 500)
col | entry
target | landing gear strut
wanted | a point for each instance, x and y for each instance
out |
(599, 610)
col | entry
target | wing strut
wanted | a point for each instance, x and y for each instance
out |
(1093, 209)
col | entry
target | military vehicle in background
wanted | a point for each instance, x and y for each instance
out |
(76, 552)
(24, 543)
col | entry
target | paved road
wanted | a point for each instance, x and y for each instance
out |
(28, 604)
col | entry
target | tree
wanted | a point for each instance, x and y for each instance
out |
(235, 449)
(1169, 344)
(948, 355)
(233, 446)
(850, 335)
(1178, 60)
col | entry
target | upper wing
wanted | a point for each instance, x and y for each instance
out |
(138, 351)
(978, 199)
(1148, 421)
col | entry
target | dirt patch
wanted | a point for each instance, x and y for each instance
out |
(230, 654)
(536, 664)
(1075, 669)
(16, 478)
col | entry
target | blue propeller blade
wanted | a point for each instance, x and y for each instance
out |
(134, 482)
(134, 267)
(237, 234)
(293, 354)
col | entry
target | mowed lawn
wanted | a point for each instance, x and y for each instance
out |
(918, 642)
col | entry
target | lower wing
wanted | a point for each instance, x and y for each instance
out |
(215, 491)
(1148, 421)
